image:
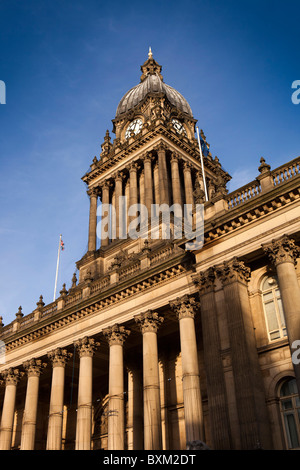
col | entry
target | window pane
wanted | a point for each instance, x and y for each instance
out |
(271, 316)
(291, 430)
(280, 308)
(289, 388)
(268, 296)
(287, 404)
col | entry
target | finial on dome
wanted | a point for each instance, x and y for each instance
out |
(150, 55)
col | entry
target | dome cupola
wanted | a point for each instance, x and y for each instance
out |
(152, 83)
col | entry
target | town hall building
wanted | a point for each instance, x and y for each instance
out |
(165, 342)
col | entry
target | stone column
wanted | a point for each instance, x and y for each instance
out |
(163, 175)
(149, 323)
(148, 182)
(188, 184)
(11, 378)
(92, 244)
(216, 387)
(133, 186)
(248, 383)
(184, 308)
(283, 254)
(105, 215)
(176, 189)
(86, 349)
(33, 367)
(58, 357)
(119, 210)
(116, 335)
(135, 408)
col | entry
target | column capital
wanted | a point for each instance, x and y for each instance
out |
(233, 270)
(59, 357)
(149, 321)
(119, 176)
(116, 334)
(282, 250)
(86, 346)
(184, 307)
(93, 192)
(205, 281)
(174, 157)
(12, 376)
(161, 147)
(34, 367)
(187, 166)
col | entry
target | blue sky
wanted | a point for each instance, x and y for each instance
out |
(66, 64)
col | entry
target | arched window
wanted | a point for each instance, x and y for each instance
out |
(273, 308)
(290, 412)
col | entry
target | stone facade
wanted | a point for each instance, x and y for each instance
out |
(156, 346)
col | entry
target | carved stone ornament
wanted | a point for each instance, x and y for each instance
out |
(184, 307)
(233, 270)
(34, 367)
(282, 250)
(59, 357)
(12, 376)
(116, 334)
(149, 321)
(86, 346)
(205, 281)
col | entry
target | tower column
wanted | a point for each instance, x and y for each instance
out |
(116, 336)
(163, 175)
(148, 196)
(92, 244)
(176, 191)
(283, 254)
(133, 189)
(11, 377)
(149, 323)
(33, 368)
(86, 349)
(188, 184)
(184, 309)
(105, 225)
(58, 358)
(118, 206)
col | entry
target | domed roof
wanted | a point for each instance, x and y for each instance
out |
(152, 82)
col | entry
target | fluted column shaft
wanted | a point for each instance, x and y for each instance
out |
(149, 323)
(283, 253)
(133, 187)
(118, 194)
(135, 410)
(249, 388)
(163, 176)
(11, 377)
(116, 336)
(176, 190)
(92, 244)
(184, 309)
(105, 227)
(188, 184)
(86, 348)
(148, 195)
(216, 389)
(58, 358)
(33, 369)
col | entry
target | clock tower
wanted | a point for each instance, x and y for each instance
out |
(154, 161)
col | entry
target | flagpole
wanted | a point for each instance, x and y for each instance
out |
(202, 165)
(57, 265)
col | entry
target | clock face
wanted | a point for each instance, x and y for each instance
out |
(178, 126)
(135, 126)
